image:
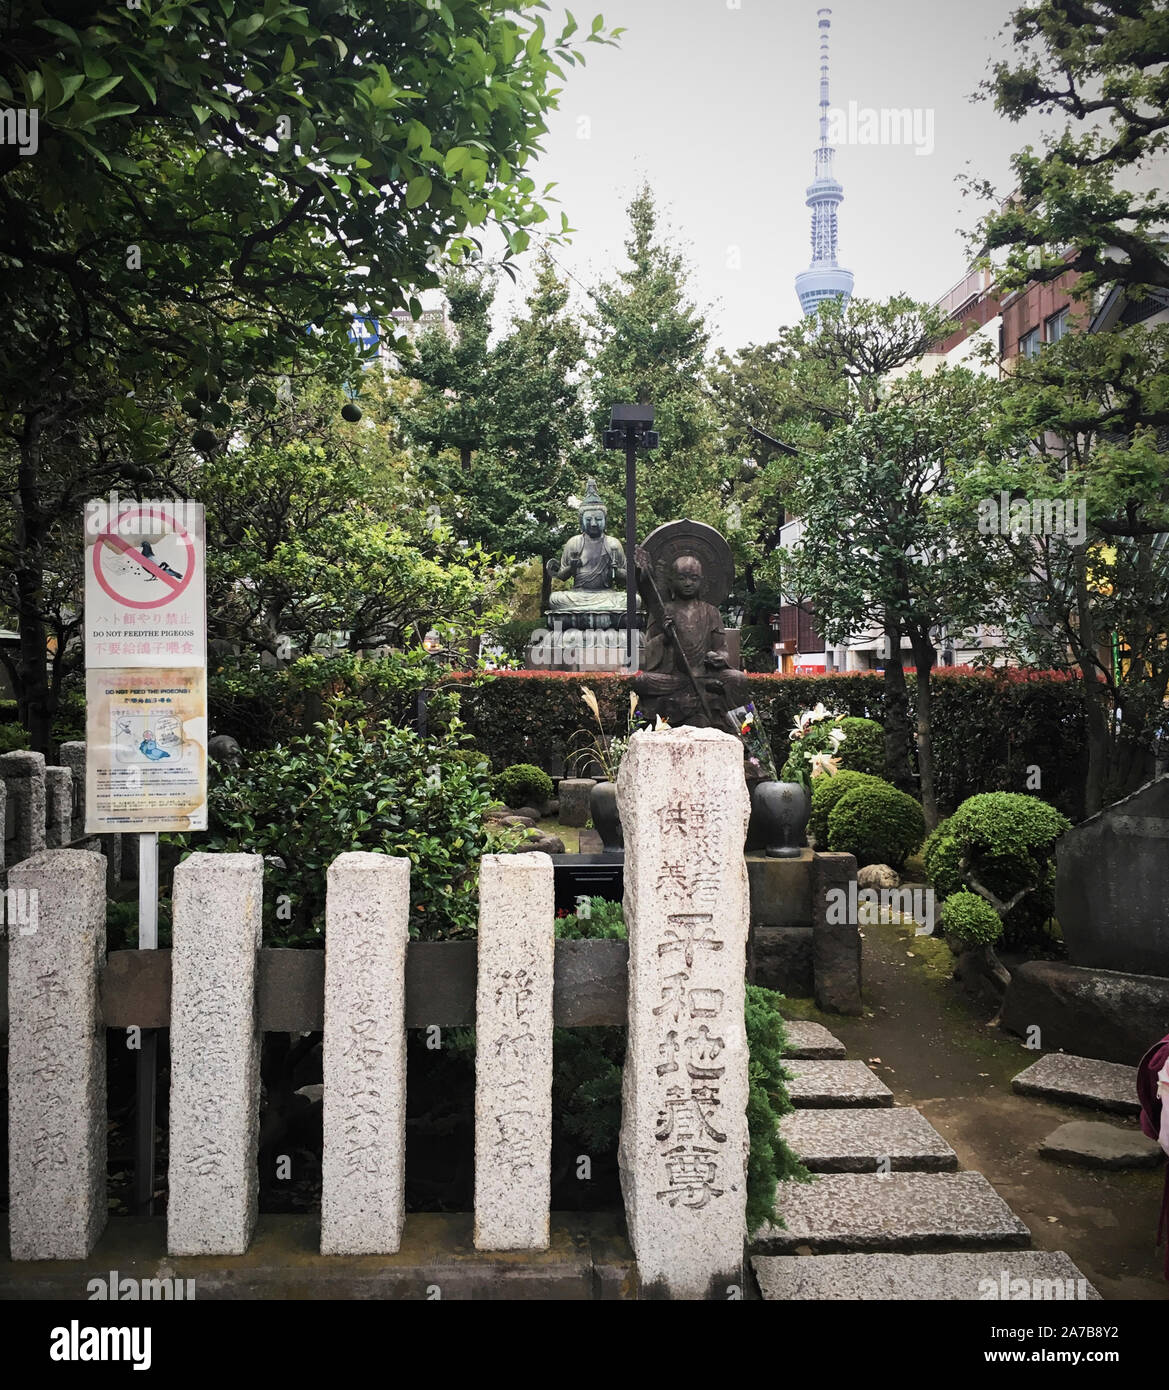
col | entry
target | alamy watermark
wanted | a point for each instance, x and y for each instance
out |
(888, 125)
(1004, 1288)
(20, 126)
(124, 516)
(584, 649)
(843, 906)
(21, 907)
(1034, 516)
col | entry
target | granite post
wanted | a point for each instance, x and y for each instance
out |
(836, 938)
(23, 774)
(58, 807)
(215, 1054)
(57, 1055)
(513, 1056)
(684, 1140)
(72, 756)
(363, 1176)
(574, 795)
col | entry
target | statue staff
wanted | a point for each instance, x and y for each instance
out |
(656, 610)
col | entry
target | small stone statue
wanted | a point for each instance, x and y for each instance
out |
(685, 674)
(222, 748)
(594, 562)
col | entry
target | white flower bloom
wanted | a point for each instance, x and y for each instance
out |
(819, 713)
(823, 764)
(836, 737)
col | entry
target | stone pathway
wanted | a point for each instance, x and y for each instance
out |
(1081, 1081)
(887, 1185)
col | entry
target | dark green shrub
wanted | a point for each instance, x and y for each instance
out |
(13, 737)
(826, 792)
(770, 1160)
(941, 857)
(970, 919)
(1004, 842)
(473, 759)
(523, 784)
(863, 749)
(356, 787)
(603, 921)
(876, 823)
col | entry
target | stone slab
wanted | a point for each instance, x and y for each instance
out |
(1093, 1144)
(56, 1055)
(867, 1141)
(781, 959)
(832, 1084)
(573, 794)
(851, 1212)
(215, 1054)
(363, 1167)
(836, 945)
(781, 890)
(1033, 1275)
(1110, 884)
(1081, 1081)
(23, 774)
(684, 1140)
(58, 807)
(513, 1053)
(1110, 1014)
(587, 1258)
(811, 1041)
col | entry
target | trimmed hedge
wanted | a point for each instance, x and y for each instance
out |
(876, 823)
(863, 749)
(989, 728)
(970, 919)
(523, 784)
(826, 792)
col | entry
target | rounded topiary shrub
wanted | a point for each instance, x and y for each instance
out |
(876, 823)
(970, 920)
(1004, 843)
(523, 784)
(863, 749)
(942, 857)
(826, 792)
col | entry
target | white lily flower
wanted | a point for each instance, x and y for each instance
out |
(819, 713)
(836, 737)
(823, 764)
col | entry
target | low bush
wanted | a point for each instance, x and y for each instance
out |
(356, 787)
(523, 784)
(942, 857)
(970, 920)
(13, 737)
(876, 823)
(826, 792)
(863, 749)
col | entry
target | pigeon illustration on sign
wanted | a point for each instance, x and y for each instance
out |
(131, 573)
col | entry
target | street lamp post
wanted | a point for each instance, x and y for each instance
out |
(630, 428)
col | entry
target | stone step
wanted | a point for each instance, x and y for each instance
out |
(905, 1211)
(1081, 1081)
(861, 1140)
(975, 1275)
(1093, 1144)
(811, 1041)
(834, 1084)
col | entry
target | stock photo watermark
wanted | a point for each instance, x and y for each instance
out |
(859, 907)
(1034, 516)
(20, 911)
(20, 126)
(885, 125)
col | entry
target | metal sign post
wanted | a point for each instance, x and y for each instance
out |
(147, 1078)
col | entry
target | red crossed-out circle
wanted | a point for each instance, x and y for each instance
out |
(117, 543)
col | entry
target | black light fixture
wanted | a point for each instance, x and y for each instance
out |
(631, 428)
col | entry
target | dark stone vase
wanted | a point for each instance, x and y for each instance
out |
(606, 818)
(779, 818)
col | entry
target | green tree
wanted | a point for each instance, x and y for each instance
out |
(651, 346)
(1077, 202)
(823, 375)
(879, 547)
(1079, 426)
(208, 181)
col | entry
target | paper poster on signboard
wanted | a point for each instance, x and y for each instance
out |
(146, 737)
(145, 584)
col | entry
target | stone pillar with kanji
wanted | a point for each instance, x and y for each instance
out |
(684, 1141)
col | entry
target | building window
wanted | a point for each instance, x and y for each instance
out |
(1056, 326)
(1029, 344)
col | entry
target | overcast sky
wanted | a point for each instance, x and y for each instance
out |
(716, 104)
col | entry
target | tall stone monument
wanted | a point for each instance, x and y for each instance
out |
(684, 1140)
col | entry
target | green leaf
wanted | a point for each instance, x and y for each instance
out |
(62, 31)
(202, 114)
(343, 156)
(307, 135)
(456, 159)
(99, 89)
(289, 59)
(147, 86)
(417, 191)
